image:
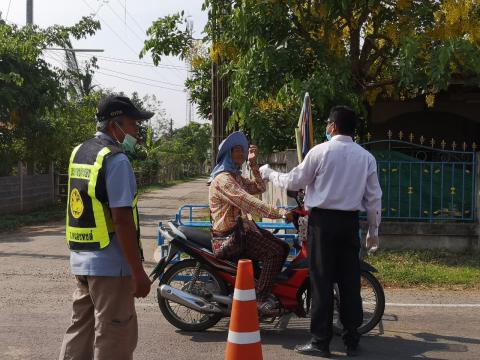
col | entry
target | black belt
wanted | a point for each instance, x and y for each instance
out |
(335, 212)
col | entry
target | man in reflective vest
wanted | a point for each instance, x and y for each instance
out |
(102, 232)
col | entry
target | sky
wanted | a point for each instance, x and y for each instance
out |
(124, 24)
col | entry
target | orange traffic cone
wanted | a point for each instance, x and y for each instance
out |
(244, 332)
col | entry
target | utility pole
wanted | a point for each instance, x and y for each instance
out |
(220, 115)
(30, 12)
(29, 21)
(171, 127)
(189, 71)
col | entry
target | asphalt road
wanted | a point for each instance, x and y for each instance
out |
(36, 288)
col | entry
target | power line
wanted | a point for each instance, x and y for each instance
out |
(139, 82)
(98, 9)
(128, 13)
(111, 29)
(147, 64)
(53, 61)
(135, 62)
(128, 27)
(60, 61)
(56, 58)
(8, 9)
(142, 78)
(118, 36)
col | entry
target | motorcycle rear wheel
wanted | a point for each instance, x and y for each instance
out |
(373, 301)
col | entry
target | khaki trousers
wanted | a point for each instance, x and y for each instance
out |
(104, 321)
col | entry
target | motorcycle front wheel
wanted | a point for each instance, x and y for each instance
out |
(195, 278)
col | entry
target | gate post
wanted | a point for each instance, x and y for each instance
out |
(51, 171)
(477, 199)
(20, 177)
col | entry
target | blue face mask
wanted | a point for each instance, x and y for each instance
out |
(327, 134)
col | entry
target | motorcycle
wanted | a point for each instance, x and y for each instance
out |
(195, 292)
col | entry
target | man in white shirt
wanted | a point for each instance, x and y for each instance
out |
(340, 180)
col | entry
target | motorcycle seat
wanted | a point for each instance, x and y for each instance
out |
(199, 237)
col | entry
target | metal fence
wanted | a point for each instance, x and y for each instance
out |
(422, 183)
(26, 192)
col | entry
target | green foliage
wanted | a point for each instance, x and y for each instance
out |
(182, 152)
(342, 52)
(33, 94)
(199, 84)
(72, 123)
(187, 148)
(45, 111)
(165, 34)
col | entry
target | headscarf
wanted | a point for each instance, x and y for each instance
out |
(224, 156)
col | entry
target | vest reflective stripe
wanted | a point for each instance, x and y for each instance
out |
(137, 223)
(72, 156)
(99, 213)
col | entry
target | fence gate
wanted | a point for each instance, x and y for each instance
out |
(424, 183)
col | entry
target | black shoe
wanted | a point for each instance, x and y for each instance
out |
(352, 351)
(312, 349)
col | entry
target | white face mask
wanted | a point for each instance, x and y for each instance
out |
(129, 142)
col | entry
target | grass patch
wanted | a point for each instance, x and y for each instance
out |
(48, 213)
(427, 268)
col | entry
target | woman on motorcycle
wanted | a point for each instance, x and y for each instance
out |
(231, 198)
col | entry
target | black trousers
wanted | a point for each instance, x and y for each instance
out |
(334, 257)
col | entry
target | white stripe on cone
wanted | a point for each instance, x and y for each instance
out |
(244, 295)
(243, 338)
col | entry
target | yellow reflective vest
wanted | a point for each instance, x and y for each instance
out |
(89, 221)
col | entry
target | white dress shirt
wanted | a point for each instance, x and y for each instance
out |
(337, 175)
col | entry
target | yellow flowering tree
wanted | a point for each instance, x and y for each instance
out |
(340, 51)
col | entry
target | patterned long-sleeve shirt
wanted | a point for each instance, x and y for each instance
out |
(231, 196)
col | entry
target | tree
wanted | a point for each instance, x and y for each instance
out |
(31, 91)
(349, 51)
(159, 123)
(187, 148)
(199, 82)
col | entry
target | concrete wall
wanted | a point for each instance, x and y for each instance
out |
(413, 235)
(394, 235)
(26, 192)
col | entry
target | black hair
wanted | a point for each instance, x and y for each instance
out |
(345, 119)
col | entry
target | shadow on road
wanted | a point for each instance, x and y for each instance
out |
(4, 239)
(435, 338)
(28, 235)
(36, 256)
(372, 347)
